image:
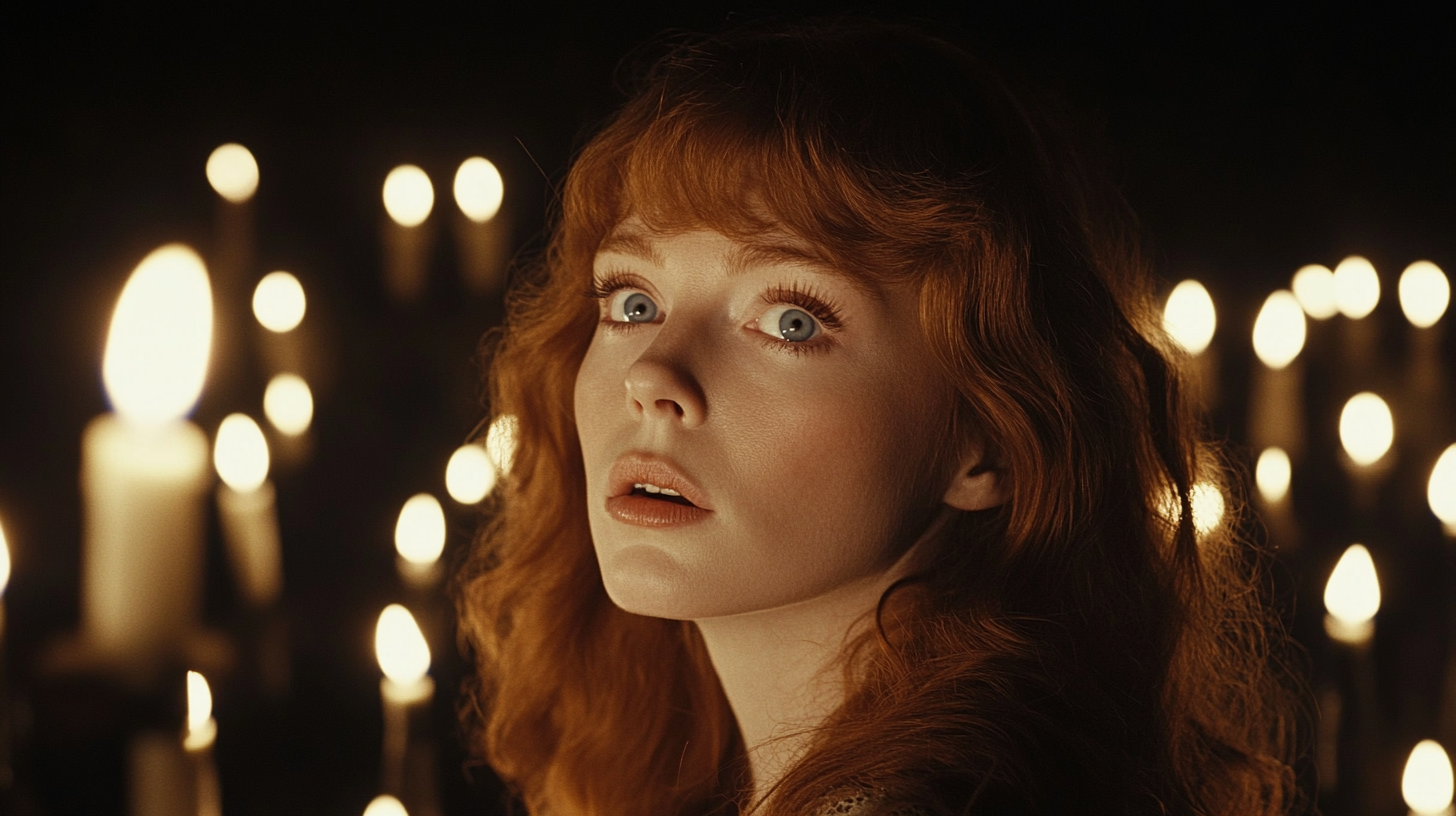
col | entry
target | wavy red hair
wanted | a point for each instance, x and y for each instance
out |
(1080, 648)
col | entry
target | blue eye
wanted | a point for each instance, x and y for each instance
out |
(632, 307)
(789, 323)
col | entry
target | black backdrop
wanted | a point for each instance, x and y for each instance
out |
(1251, 141)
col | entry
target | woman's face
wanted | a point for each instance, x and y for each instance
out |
(792, 410)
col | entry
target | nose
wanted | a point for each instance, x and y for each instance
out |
(660, 388)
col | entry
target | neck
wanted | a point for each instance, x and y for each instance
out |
(780, 668)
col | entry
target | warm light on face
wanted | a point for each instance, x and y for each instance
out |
(241, 453)
(1441, 489)
(419, 535)
(233, 172)
(469, 476)
(1314, 287)
(500, 443)
(1279, 330)
(160, 337)
(408, 195)
(4, 562)
(1424, 293)
(199, 701)
(385, 805)
(1272, 473)
(479, 189)
(1427, 783)
(1366, 428)
(1189, 316)
(288, 404)
(400, 646)
(1353, 592)
(1357, 287)
(278, 302)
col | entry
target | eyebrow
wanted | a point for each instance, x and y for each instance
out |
(633, 244)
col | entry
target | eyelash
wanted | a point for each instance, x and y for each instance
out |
(817, 304)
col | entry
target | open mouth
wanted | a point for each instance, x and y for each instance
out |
(648, 491)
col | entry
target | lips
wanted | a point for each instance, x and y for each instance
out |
(631, 504)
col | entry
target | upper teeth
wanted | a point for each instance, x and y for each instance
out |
(652, 488)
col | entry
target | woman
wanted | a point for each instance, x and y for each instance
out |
(852, 476)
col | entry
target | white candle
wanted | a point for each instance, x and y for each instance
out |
(245, 503)
(419, 538)
(1276, 407)
(144, 468)
(1427, 782)
(481, 233)
(1352, 597)
(198, 740)
(1190, 319)
(404, 657)
(408, 199)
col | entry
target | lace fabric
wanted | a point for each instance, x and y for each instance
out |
(867, 804)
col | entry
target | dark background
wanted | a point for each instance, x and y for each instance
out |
(1251, 141)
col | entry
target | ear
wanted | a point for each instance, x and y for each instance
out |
(977, 485)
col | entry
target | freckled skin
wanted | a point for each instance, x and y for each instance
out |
(807, 461)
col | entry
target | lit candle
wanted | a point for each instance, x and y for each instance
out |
(1314, 288)
(1357, 293)
(1273, 473)
(469, 475)
(198, 739)
(288, 405)
(245, 503)
(1441, 490)
(233, 174)
(1424, 295)
(1427, 783)
(1352, 597)
(6, 772)
(407, 687)
(1189, 318)
(1367, 431)
(1276, 407)
(144, 468)
(408, 199)
(481, 232)
(385, 805)
(4, 582)
(419, 538)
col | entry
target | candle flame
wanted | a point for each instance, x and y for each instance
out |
(419, 535)
(1272, 474)
(479, 189)
(240, 453)
(4, 562)
(160, 337)
(288, 403)
(279, 302)
(1366, 428)
(1352, 594)
(400, 646)
(199, 702)
(408, 195)
(233, 172)
(1357, 287)
(500, 443)
(1427, 783)
(470, 475)
(1189, 316)
(1441, 489)
(1279, 330)
(385, 805)
(1314, 286)
(1424, 294)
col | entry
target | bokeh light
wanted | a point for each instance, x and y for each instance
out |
(288, 403)
(385, 805)
(469, 475)
(279, 302)
(419, 534)
(233, 172)
(1353, 593)
(479, 189)
(1424, 293)
(240, 453)
(1357, 287)
(400, 646)
(1441, 488)
(1314, 287)
(1189, 316)
(1366, 428)
(1427, 783)
(408, 195)
(1272, 474)
(1279, 330)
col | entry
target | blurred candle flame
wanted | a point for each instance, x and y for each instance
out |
(469, 475)
(201, 728)
(1357, 287)
(233, 172)
(288, 403)
(1352, 595)
(1441, 489)
(4, 562)
(1427, 783)
(1314, 287)
(400, 646)
(1189, 316)
(160, 337)
(240, 453)
(385, 805)
(1279, 330)
(1272, 474)
(1424, 294)
(479, 189)
(408, 195)
(1366, 428)
(279, 302)
(419, 534)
